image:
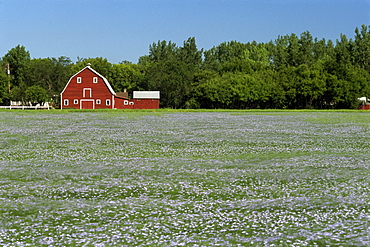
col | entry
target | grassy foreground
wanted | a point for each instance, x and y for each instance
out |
(162, 178)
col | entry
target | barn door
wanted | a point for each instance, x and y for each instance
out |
(87, 104)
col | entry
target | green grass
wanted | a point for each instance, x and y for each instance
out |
(194, 178)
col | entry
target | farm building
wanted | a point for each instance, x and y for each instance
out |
(365, 105)
(88, 89)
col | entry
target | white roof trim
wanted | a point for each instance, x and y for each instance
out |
(95, 72)
(146, 94)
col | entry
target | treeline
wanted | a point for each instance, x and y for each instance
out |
(291, 72)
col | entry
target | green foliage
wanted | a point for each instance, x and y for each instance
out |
(126, 76)
(18, 93)
(49, 73)
(18, 58)
(37, 94)
(238, 91)
(172, 70)
(99, 64)
(173, 79)
(361, 48)
(162, 51)
(3, 88)
(189, 53)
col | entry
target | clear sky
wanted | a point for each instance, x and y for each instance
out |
(123, 29)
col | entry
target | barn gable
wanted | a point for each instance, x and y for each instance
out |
(95, 72)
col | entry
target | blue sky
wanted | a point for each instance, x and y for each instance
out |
(123, 29)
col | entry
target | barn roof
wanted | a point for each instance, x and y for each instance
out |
(146, 94)
(123, 95)
(95, 72)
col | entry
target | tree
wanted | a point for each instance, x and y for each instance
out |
(357, 80)
(62, 72)
(284, 91)
(189, 53)
(171, 70)
(18, 59)
(228, 57)
(306, 49)
(293, 48)
(101, 65)
(163, 51)
(343, 55)
(361, 48)
(37, 94)
(173, 78)
(52, 74)
(279, 54)
(233, 91)
(126, 76)
(257, 55)
(310, 86)
(4, 96)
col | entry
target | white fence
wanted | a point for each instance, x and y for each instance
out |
(15, 105)
(25, 107)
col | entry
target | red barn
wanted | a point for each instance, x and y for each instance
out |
(88, 89)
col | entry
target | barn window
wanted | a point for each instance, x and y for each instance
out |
(131, 103)
(98, 101)
(66, 102)
(75, 101)
(125, 102)
(107, 102)
(79, 79)
(95, 80)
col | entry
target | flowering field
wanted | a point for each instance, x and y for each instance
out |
(184, 178)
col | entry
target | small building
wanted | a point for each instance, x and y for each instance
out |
(88, 89)
(365, 105)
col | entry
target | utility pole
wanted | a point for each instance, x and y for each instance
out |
(8, 72)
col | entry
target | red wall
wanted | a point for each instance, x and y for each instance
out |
(146, 103)
(137, 103)
(119, 104)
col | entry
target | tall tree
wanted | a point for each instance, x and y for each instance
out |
(257, 55)
(101, 65)
(18, 59)
(37, 95)
(344, 52)
(52, 74)
(306, 49)
(278, 50)
(173, 79)
(162, 51)
(362, 47)
(171, 70)
(126, 76)
(189, 53)
(4, 96)
(293, 50)
(228, 57)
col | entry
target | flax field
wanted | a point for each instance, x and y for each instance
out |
(162, 178)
